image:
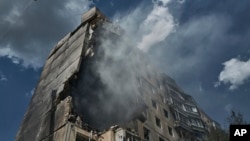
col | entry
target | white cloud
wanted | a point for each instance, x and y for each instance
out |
(3, 77)
(148, 27)
(235, 73)
(34, 60)
(29, 45)
(28, 37)
(13, 15)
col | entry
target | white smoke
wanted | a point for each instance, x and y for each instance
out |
(160, 24)
(109, 86)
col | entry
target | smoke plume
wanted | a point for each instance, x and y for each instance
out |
(107, 91)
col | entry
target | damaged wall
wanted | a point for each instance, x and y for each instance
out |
(95, 76)
(102, 91)
(41, 119)
(106, 91)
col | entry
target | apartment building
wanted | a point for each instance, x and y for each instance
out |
(96, 86)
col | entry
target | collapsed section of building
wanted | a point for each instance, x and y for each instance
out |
(95, 85)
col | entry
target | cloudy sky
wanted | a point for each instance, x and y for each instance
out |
(203, 44)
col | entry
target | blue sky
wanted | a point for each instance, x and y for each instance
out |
(203, 44)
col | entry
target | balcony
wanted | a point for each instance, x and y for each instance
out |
(198, 128)
(182, 124)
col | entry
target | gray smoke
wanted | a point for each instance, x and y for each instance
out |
(107, 92)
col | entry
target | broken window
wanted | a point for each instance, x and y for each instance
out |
(165, 113)
(154, 104)
(170, 131)
(80, 137)
(146, 133)
(158, 122)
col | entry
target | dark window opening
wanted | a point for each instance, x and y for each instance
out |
(158, 122)
(170, 130)
(146, 133)
(161, 139)
(80, 137)
(165, 113)
(154, 104)
(180, 133)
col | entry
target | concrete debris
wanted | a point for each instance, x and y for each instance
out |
(96, 80)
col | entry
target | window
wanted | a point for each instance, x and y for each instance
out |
(193, 123)
(197, 123)
(177, 103)
(170, 131)
(184, 107)
(161, 139)
(80, 137)
(184, 119)
(158, 122)
(154, 104)
(146, 133)
(171, 100)
(190, 108)
(194, 109)
(165, 113)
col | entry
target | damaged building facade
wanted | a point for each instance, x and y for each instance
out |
(96, 86)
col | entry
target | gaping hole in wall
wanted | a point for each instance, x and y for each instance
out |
(106, 90)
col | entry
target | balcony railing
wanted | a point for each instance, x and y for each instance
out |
(198, 128)
(182, 124)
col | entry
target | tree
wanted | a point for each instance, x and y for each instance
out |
(217, 134)
(236, 118)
